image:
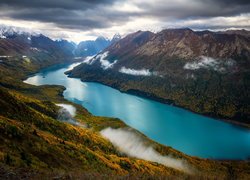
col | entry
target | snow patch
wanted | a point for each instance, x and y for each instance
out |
(132, 145)
(2, 36)
(35, 49)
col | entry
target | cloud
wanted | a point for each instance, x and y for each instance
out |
(105, 64)
(141, 72)
(62, 4)
(66, 114)
(195, 8)
(132, 145)
(71, 109)
(89, 60)
(85, 18)
(76, 14)
(210, 63)
(215, 23)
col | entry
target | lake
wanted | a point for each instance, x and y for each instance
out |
(181, 129)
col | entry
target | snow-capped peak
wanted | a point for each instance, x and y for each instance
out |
(6, 31)
(116, 37)
(60, 40)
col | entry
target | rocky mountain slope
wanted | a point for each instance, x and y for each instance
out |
(203, 71)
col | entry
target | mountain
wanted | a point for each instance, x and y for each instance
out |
(90, 48)
(37, 144)
(67, 46)
(36, 50)
(203, 71)
(116, 38)
(10, 31)
(23, 42)
(20, 41)
(23, 52)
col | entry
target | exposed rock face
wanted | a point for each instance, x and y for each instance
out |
(156, 49)
(206, 72)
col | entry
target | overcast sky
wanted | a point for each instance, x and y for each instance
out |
(85, 19)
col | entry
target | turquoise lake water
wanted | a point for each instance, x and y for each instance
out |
(183, 130)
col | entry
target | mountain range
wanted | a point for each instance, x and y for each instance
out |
(203, 71)
(36, 144)
(15, 41)
(90, 48)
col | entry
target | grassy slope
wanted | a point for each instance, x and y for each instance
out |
(36, 145)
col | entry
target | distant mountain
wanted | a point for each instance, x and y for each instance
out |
(10, 31)
(67, 46)
(18, 42)
(203, 71)
(115, 38)
(90, 48)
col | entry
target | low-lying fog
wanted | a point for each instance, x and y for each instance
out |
(131, 144)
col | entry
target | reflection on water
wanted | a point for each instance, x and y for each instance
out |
(183, 130)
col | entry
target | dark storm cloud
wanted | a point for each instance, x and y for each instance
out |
(64, 4)
(60, 17)
(91, 14)
(76, 14)
(76, 19)
(195, 8)
(234, 2)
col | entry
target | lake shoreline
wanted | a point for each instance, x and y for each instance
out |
(148, 96)
(65, 81)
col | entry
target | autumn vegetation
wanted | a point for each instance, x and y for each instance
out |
(35, 145)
